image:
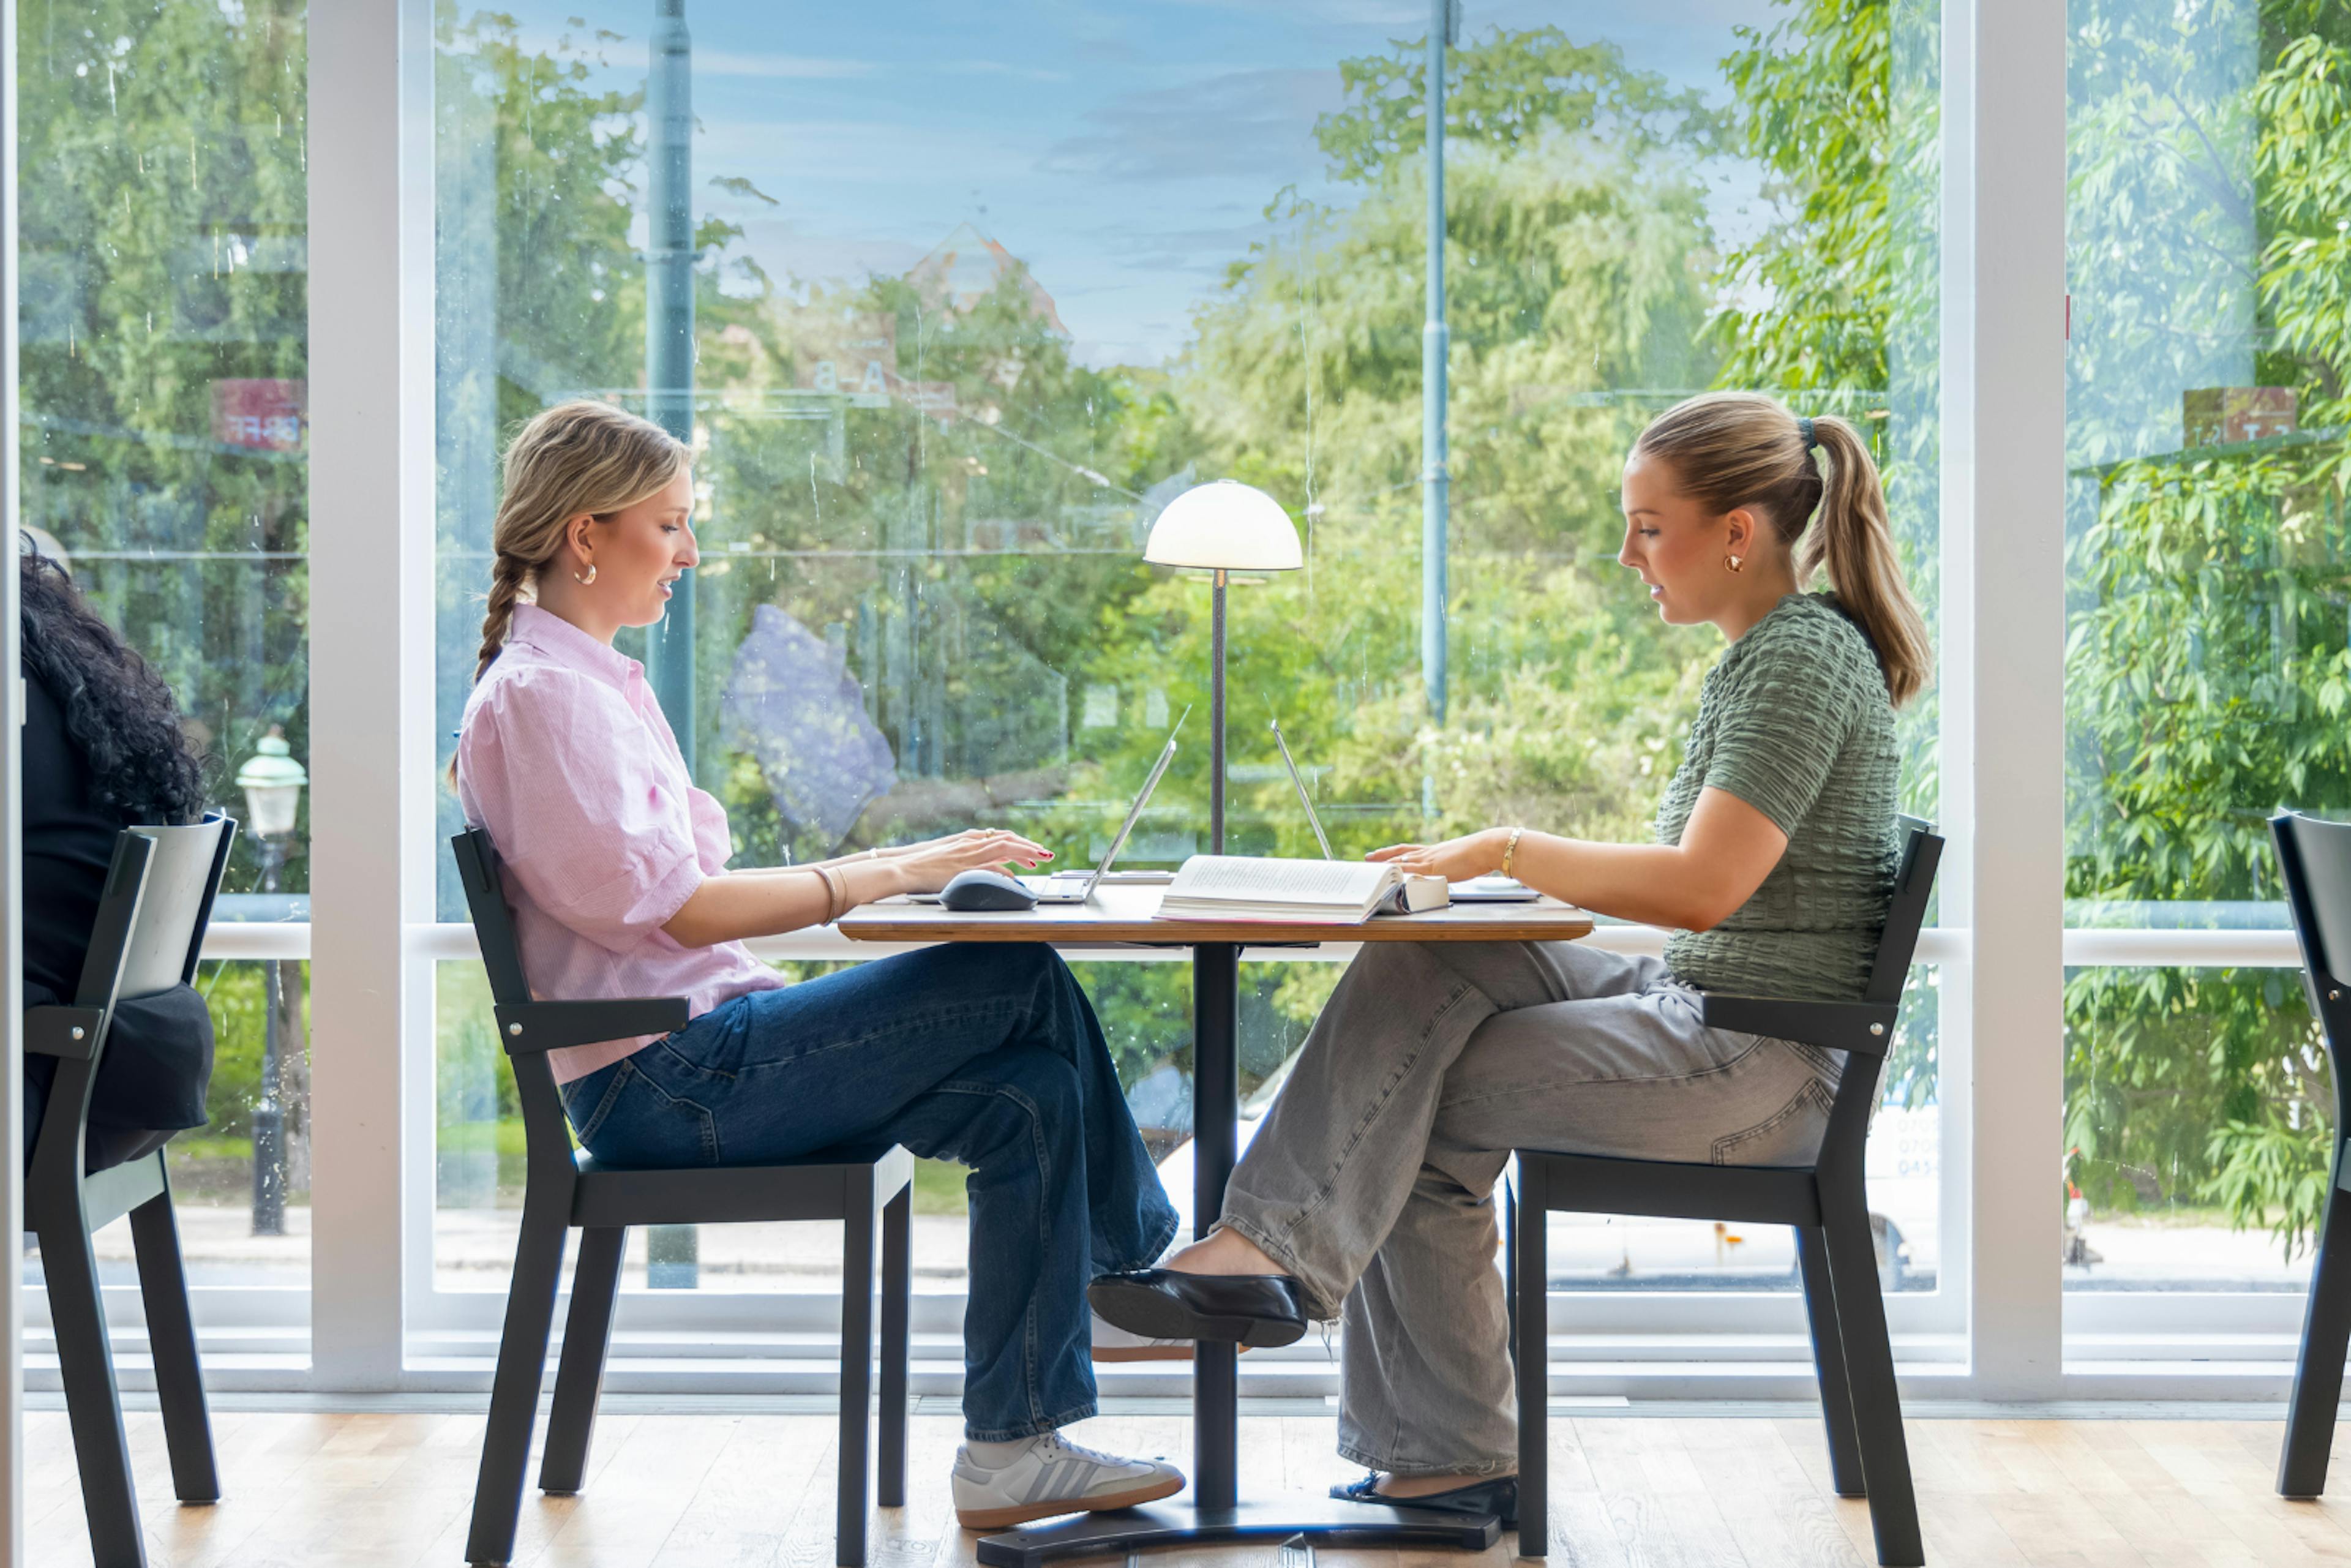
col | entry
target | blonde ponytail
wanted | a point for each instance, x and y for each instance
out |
(1729, 450)
(1854, 543)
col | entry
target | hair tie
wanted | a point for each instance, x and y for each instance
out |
(1804, 429)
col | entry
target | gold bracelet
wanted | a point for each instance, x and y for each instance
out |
(836, 894)
(1510, 850)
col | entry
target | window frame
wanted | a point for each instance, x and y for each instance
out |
(1998, 1327)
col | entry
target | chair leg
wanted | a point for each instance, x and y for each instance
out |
(856, 1371)
(2318, 1368)
(1510, 1262)
(1828, 1359)
(514, 1394)
(579, 1374)
(897, 1283)
(1532, 1273)
(93, 1403)
(172, 1336)
(1869, 1368)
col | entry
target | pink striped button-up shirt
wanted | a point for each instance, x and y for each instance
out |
(565, 759)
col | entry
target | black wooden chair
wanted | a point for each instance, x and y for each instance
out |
(566, 1190)
(2315, 863)
(1824, 1201)
(152, 916)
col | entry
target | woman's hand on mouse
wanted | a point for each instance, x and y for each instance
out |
(928, 867)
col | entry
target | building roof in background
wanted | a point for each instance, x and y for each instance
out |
(967, 266)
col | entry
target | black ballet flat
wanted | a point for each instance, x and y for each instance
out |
(1497, 1496)
(1260, 1311)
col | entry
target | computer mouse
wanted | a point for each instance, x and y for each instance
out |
(985, 890)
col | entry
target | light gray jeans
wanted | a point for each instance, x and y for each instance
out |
(1372, 1179)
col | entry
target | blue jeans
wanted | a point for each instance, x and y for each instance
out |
(985, 1053)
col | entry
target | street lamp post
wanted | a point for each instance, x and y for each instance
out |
(672, 1255)
(272, 782)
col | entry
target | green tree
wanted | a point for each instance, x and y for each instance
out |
(162, 259)
(2206, 674)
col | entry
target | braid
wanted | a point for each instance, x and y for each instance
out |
(506, 587)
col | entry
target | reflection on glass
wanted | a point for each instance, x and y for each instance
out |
(164, 315)
(964, 318)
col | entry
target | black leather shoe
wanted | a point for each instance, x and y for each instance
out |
(1499, 1495)
(1260, 1311)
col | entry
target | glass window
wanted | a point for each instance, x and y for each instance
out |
(963, 319)
(2206, 550)
(1741, 195)
(2198, 1130)
(163, 317)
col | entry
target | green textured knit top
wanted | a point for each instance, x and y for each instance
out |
(1795, 721)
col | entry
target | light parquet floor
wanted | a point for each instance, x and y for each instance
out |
(756, 1491)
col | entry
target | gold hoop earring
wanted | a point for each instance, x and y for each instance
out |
(1736, 563)
(591, 578)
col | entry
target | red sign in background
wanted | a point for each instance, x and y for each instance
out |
(262, 414)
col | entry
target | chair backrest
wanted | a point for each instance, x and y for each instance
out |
(153, 913)
(1843, 1142)
(486, 897)
(1906, 916)
(2314, 864)
(547, 1135)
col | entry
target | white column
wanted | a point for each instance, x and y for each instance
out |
(2013, 431)
(364, 782)
(12, 865)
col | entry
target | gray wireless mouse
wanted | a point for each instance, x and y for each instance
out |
(984, 890)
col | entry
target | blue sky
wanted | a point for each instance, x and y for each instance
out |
(1125, 151)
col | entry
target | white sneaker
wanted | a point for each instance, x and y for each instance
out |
(1114, 1344)
(1050, 1475)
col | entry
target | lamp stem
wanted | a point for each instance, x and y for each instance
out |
(1216, 721)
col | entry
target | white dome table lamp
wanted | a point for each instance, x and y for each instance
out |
(1222, 527)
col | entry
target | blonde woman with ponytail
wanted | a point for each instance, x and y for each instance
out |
(1367, 1192)
(616, 866)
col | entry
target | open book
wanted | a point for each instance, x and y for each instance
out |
(1335, 893)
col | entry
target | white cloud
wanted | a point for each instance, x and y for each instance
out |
(1241, 122)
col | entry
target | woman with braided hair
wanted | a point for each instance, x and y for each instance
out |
(1367, 1192)
(616, 867)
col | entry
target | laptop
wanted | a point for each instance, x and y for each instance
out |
(1056, 889)
(1479, 890)
(1078, 886)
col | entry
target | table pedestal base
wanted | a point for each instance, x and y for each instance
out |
(1323, 1521)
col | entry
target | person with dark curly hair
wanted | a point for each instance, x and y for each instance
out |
(102, 750)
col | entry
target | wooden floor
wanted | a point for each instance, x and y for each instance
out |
(728, 1492)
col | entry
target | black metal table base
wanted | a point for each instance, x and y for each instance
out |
(1211, 1518)
(1323, 1520)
